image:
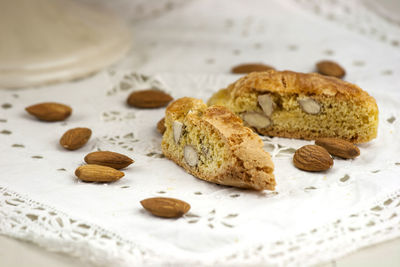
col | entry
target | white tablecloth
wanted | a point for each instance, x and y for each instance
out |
(188, 51)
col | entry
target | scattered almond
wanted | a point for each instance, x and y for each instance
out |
(75, 138)
(339, 147)
(312, 158)
(165, 207)
(161, 126)
(108, 158)
(330, 68)
(50, 111)
(149, 99)
(98, 173)
(250, 67)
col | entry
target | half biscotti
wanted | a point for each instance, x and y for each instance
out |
(299, 105)
(212, 144)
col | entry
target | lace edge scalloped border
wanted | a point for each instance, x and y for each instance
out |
(29, 220)
(56, 231)
(349, 233)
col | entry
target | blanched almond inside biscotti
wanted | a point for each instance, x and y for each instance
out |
(190, 155)
(177, 130)
(309, 117)
(266, 103)
(309, 105)
(256, 119)
(198, 147)
(213, 145)
(304, 105)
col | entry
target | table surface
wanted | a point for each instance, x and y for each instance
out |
(385, 254)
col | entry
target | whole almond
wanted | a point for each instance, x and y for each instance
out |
(75, 138)
(108, 158)
(312, 158)
(148, 99)
(161, 126)
(50, 111)
(98, 173)
(250, 67)
(339, 147)
(330, 68)
(165, 207)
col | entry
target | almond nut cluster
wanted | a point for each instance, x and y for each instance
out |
(104, 166)
(261, 120)
(317, 157)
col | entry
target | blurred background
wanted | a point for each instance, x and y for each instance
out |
(49, 41)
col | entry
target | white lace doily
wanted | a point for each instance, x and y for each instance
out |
(310, 218)
(354, 204)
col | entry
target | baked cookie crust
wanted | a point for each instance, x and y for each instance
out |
(305, 106)
(212, 144)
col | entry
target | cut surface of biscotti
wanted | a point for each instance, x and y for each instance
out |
(212, 144)
(299, 105)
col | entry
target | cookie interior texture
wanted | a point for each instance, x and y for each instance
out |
(212, 144)
(305, 106)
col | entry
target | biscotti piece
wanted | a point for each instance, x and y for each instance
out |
(299, 105)
(212, 144)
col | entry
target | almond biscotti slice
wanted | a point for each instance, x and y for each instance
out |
(299, 105)
(212, 144)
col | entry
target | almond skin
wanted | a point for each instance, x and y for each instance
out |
(339, 147)
(149, 99)
(330, 68)
(250, 67)
(312, 158)
(75, 138)
(161, 126)
(165, 207)
(108, 158)
(98, 173)
(50, 111)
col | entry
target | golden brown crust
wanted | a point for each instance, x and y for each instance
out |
(241, 96)
(300, 83)
(248, 166)
(247, 148)
(182, 106)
